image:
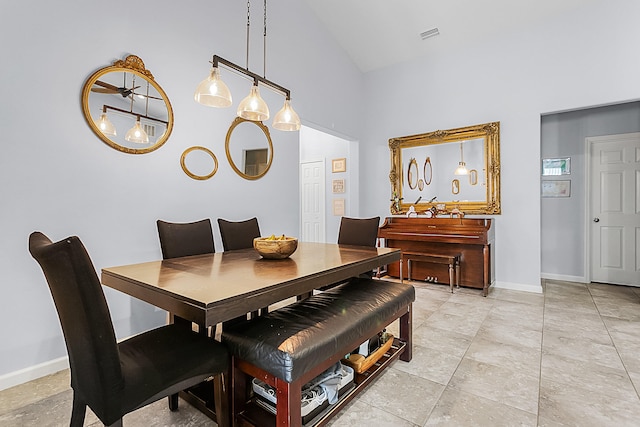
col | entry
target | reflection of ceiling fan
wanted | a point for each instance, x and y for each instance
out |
(125, 92)
(109, 88)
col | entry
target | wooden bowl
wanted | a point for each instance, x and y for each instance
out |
(278, 248)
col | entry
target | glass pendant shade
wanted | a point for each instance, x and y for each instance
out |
(105, 125)
(212, 91)
(137, 134)
(286, 119)
(461, 169)
(253, 107)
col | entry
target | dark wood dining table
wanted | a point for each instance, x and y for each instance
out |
(213, 288)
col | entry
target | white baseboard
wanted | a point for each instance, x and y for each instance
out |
(33, 372)
(564, 277)
(519, 287)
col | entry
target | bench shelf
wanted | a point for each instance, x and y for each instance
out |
(255, 416)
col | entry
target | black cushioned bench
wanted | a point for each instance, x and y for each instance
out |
(292, 345)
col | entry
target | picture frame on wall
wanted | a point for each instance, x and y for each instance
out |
(339, 165)
(338, 207)
(556, 166)
(338, 186)
(557, 188)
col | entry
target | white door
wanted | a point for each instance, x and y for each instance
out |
(615, 208)
(312, 201)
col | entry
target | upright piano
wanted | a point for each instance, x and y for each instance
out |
(469, 238)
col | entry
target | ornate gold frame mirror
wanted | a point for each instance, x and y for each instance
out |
(125, 96)
(440, 153)
(251, 152)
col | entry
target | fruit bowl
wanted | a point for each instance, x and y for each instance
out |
(275, 247)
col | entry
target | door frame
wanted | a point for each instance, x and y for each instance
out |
(587, 197)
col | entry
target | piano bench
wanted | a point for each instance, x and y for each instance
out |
(453, 261)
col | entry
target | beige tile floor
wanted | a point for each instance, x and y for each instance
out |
(568, 357)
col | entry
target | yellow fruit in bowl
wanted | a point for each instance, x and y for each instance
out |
(273, 247)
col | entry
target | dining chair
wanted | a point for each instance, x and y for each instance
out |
(115, 378)
(358, 231)
(238, 234)
(184, 239)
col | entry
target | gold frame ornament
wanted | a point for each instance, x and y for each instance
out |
(237, 121)
(132, 65)
(488, 171)
(190, 174)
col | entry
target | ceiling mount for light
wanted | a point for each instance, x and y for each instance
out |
(429, 33)
(214, 93)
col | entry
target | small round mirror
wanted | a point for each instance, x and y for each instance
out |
(199, 162)
(249, 148)
(126, 108)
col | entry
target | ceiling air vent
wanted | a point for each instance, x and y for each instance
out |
(429, 33)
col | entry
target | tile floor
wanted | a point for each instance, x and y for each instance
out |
(570, 357)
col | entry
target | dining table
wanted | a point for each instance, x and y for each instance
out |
(210, 289)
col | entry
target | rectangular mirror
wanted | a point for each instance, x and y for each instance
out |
(444, 170)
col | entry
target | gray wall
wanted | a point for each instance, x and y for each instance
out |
(555, 65)
(58, 177)
(563, 220)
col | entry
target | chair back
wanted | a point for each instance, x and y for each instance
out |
(358, 231)
(84, 316)
(238, 234)
(185, 239)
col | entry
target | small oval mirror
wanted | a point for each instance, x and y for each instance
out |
(249, 148)
(126, 108)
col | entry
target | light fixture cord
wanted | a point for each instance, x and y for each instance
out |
(248, 26)
(461, 157)
(264, 43)
(133, 84)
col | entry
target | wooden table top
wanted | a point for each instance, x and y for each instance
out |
(208, 289)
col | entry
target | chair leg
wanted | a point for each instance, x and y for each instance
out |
(78, 412)
(173, 402)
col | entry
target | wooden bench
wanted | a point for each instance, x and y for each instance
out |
(292, 345)
(453, 261)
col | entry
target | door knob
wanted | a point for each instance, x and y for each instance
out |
(596, 219)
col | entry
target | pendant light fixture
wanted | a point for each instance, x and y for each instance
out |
(214, 93)
(137, 134)
(104, 124)
(462, 166)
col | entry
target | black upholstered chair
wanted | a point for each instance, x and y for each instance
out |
(358, 231)
(184, 239)
(238, 234)
(114, 378)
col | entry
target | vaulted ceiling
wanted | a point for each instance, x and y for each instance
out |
(378, 33)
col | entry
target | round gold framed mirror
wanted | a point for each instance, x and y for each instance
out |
(249, 148)
(126, 108)
(198, 164)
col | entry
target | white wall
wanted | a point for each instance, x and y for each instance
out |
(581, 59)
(58, 177)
